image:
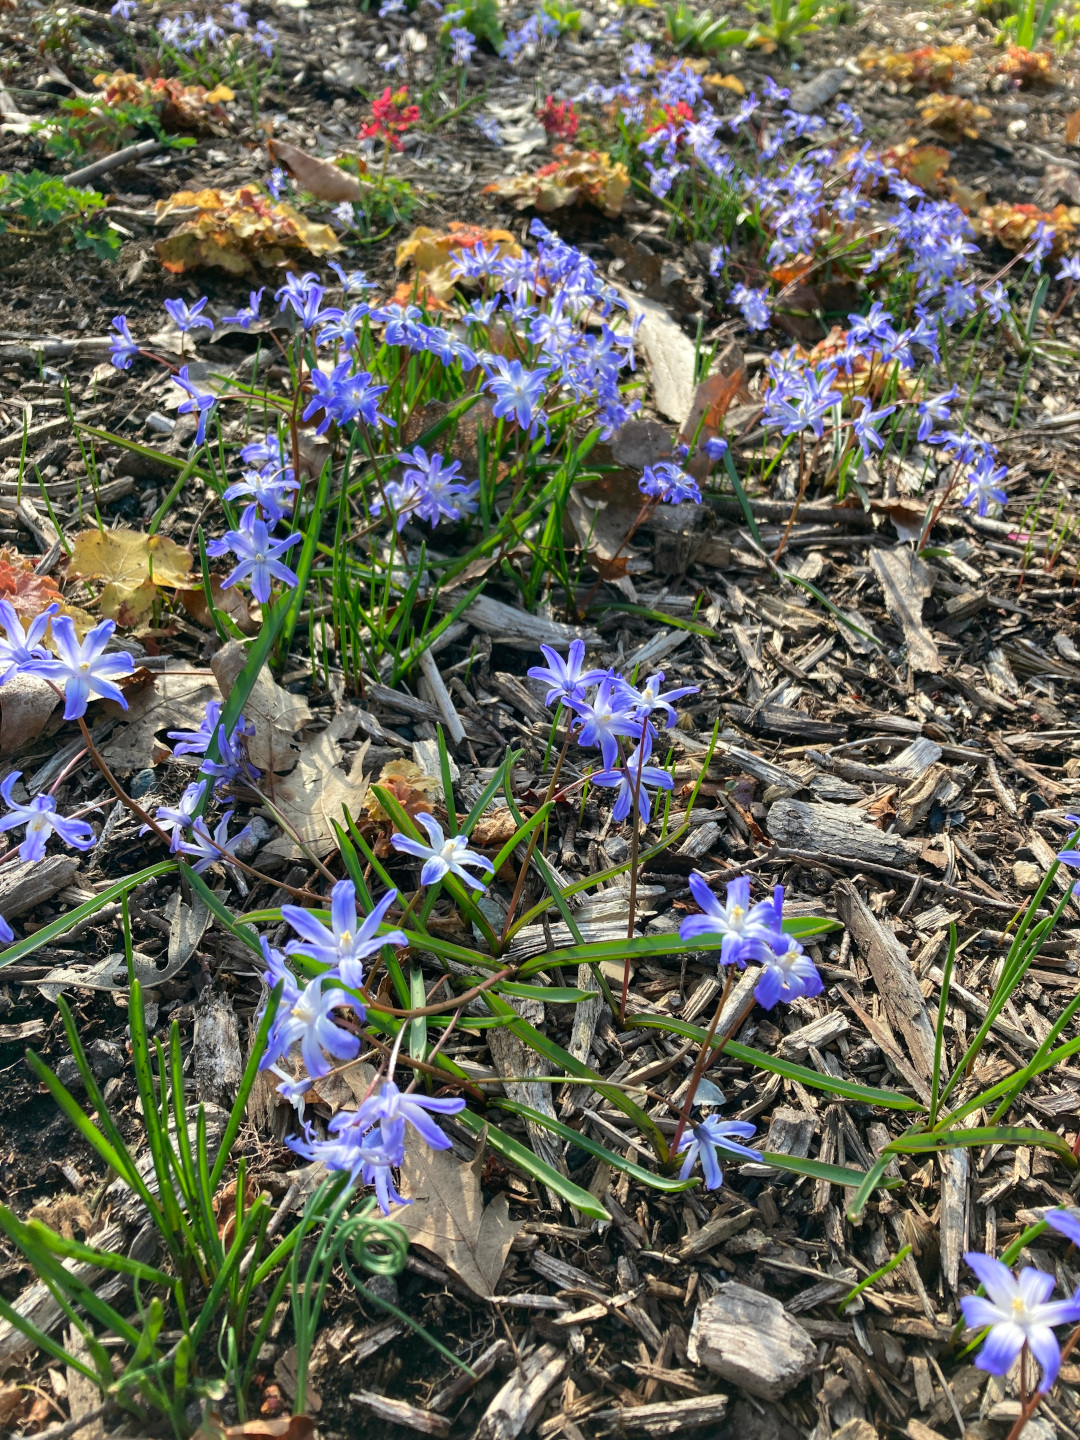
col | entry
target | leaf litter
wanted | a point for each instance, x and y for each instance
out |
(816, 778)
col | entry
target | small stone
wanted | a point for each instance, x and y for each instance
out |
(1026, 875)
(750, 1340)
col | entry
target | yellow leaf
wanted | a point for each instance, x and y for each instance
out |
(218, 94)
(726, 82)
(133, 565)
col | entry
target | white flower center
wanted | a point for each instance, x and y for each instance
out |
(448, 848)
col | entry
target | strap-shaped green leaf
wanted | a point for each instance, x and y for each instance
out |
(55, 928)
(870, 1094)
(521, 1156)
(593, 1147)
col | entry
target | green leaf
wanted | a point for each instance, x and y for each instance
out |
(554, 994)
(869, 1094)
(48, 933)
(521, 1156)
(89, 1255)
(835, 1174)
(591, 1147)
(222, 913)
(924, 1141)
(563, 1060)
(868, 1185)
(307, 557)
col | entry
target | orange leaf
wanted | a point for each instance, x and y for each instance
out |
(1072, 128)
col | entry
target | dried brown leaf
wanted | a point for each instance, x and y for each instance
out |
(448, 1216)
(321, 178)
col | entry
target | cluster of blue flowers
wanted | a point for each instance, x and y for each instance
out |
(548, 298)
(369, 1142)
(606, 710)
(80, 671)
(820, 193)
(187, 34)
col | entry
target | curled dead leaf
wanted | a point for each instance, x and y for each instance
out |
(181, 109)
(245, 615)
(574, 177)
(926, 65)
(293, 1427)
(953, 115)
(236, 231)
(323, 179)
(432, 252)
(26, 592)
(1072, 128)
(1027, 67)
(408, 784)
(1013, 225)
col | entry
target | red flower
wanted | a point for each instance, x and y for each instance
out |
(560, 120)
(391, 116)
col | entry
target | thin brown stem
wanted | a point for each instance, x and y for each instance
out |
(702, 1061)
(136, 809)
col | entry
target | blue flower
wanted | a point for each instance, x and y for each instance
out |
(518, 392)
(568, 681)
(983, 487)
(1019, 1312)
(122, 348)
(41, 819)
(369, 1157)
(649, 699)
(634, 774)
(309, 1021)
(259, 557)
(200, 402)
(440, 491)
(250, 312)
(748, 931)
(210, 850)
(715, 447)
(599, 720)
(754, 305)
(179, 817)
(303, 294)
(705, 1140)
(787, 973)
(350, 941)
(21, 648)
(935, 411)
(444, 855)
(265, 39)
(269, 488)
(344, 326)
(187, 320)
(464, 46)
(344, 397)
(83, 668)
(391, 1108)
(489, 128)
(865, 425)
(668, 483)
(7, 934)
